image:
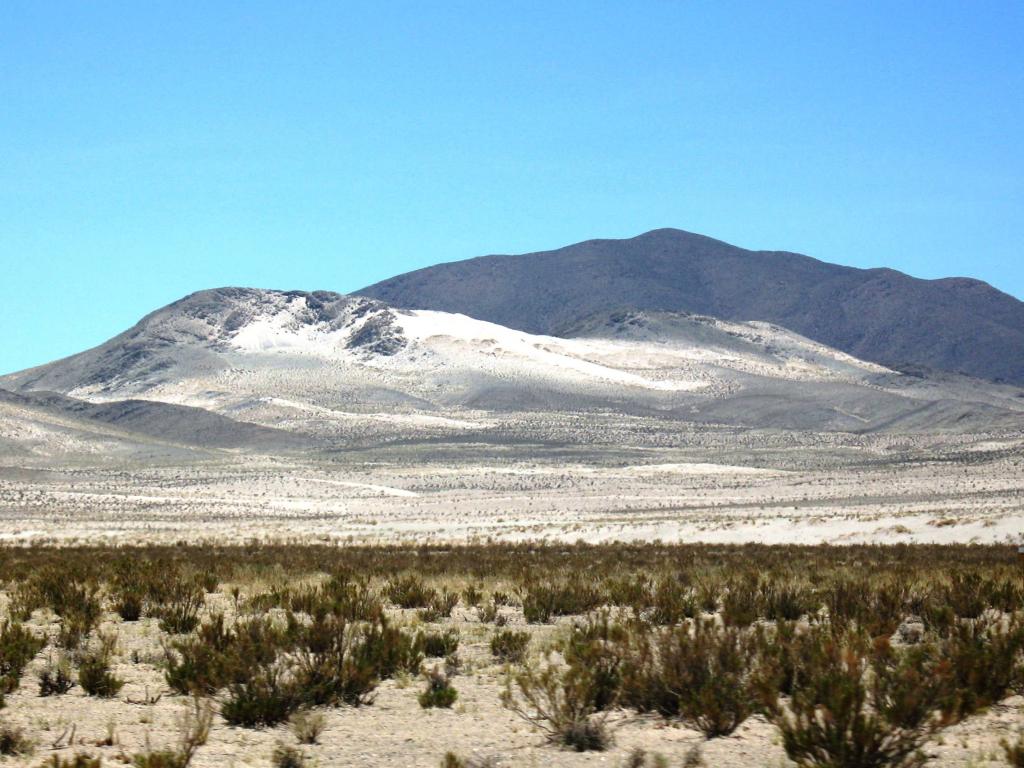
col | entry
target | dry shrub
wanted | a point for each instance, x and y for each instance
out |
(441, 644)
(79, 760)
(264, 697)
(509, 646)
(55, 678)
(704, 675)
(178, 607)
(18, 646)
(409, 591)
(1014, 751)
(307, 726)
(983, 661)
(559, 701)
(94, 675)
(861, 704)
(194, 730)
(287, 756)
(13, 741)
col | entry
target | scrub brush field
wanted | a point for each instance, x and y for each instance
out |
(521, 654)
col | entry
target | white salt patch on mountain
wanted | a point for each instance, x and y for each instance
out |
(476, 338)
(284, 332)
(699, 469)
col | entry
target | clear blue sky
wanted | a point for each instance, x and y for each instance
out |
(150, 149)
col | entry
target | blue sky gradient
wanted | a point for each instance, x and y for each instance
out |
(151, 149)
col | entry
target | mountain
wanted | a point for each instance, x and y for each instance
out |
(148, 420)
(879, 315)
(239, 367)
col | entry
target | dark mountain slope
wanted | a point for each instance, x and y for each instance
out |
(161, 421)
(880, 315)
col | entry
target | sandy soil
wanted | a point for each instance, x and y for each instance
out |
(758, 486)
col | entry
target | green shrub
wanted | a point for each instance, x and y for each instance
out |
(343, 595)
(441, 606)
(178, 610)
(439, 692)
(966, 593)
(95, 677)
(410, 592)
(204, 664)
(263, 697)
(740, 603)
(671, 602)
(440, 644)
(55, 679)
(70, 592)
(598, 646)
(473, 595)
(783, 653)
(131, 584)
(875, 606)
(541, 601)
(18, 646)
(332, 665)
(194, 668)
(488, 612)
(509, 646)
(783, 599)
(388, 650)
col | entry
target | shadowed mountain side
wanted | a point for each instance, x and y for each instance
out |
(879, 315)
(164, 422)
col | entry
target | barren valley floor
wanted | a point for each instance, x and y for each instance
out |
(702, 486)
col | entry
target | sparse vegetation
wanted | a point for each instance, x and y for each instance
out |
(18, 646)
(509, 646)
(56, 679)
(1014, 751)
(861, 666)
(558, 701)
(307, 726)
(194, 730)
(439, 691)
(441, 643)
(13, 741)
(79, 760)
(287, 756)
(95, 677)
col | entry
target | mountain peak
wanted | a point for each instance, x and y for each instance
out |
(192, 330)
(879, 315)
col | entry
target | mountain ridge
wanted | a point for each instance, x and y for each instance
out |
(326, 365)
(955, 324)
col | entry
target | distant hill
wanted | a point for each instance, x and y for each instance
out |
(264, 369)
(880, 315)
